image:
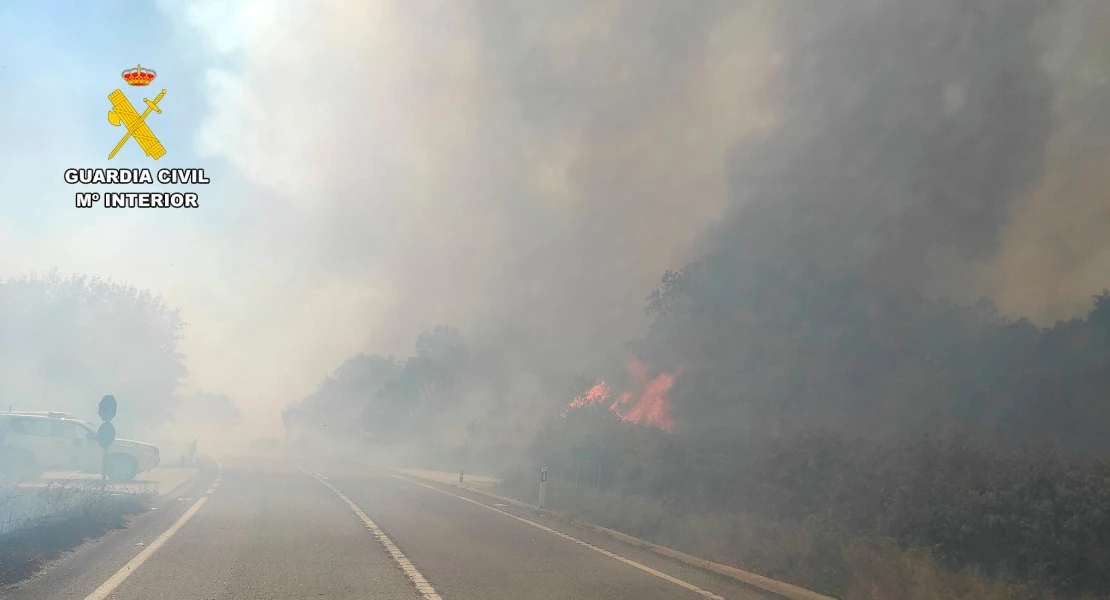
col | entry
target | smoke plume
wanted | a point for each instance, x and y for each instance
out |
(529, 170)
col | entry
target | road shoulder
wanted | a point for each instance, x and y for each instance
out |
(695, 574)
(78, 571)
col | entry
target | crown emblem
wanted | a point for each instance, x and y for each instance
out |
(138, 76)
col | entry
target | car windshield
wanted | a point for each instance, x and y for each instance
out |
(555, 299)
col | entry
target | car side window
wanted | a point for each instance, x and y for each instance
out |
(31, 426)
(63, 429)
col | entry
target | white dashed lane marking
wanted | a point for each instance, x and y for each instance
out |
(426, 590)
(113, 582)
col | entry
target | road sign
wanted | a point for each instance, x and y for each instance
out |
(543, 473)
(107, 409)
(106, 435)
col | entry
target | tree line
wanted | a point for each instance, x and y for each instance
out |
(66, 341)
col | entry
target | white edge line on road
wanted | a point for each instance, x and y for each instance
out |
(627, 561)
(113, 582)
(426, 590)
(219, 475)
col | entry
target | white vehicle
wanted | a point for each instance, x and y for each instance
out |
(33, 442)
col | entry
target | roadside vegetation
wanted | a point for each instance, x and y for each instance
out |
(69, 340)
(875, 446)
(968, 464)
(39, 523)
(977, 471)
(924, 517)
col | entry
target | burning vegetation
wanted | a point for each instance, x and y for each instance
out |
(648, 403)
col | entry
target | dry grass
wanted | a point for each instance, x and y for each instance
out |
(795, 507)
(25, 506)
(814, 555)
(882, 571)
(37, 524)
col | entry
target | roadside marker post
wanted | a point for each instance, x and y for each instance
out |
(543, 485)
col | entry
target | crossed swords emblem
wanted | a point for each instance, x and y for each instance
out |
(123, 113)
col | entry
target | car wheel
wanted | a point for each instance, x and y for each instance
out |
(19, 465)
(121, 467)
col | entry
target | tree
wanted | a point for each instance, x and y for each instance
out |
(429, 383)
(206, 410)
(67, 341)
(338, 404)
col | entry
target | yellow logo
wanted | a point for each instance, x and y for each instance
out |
(123, 112)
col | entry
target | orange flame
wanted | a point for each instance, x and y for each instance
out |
(649, 405)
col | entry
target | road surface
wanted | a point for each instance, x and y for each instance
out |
(275, 530)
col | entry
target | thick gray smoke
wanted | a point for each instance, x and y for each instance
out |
(526, 172)
(1055, 252)
(908, 134)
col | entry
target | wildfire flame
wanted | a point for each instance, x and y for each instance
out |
(648, 404)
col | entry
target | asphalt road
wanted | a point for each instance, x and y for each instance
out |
(270, 530)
